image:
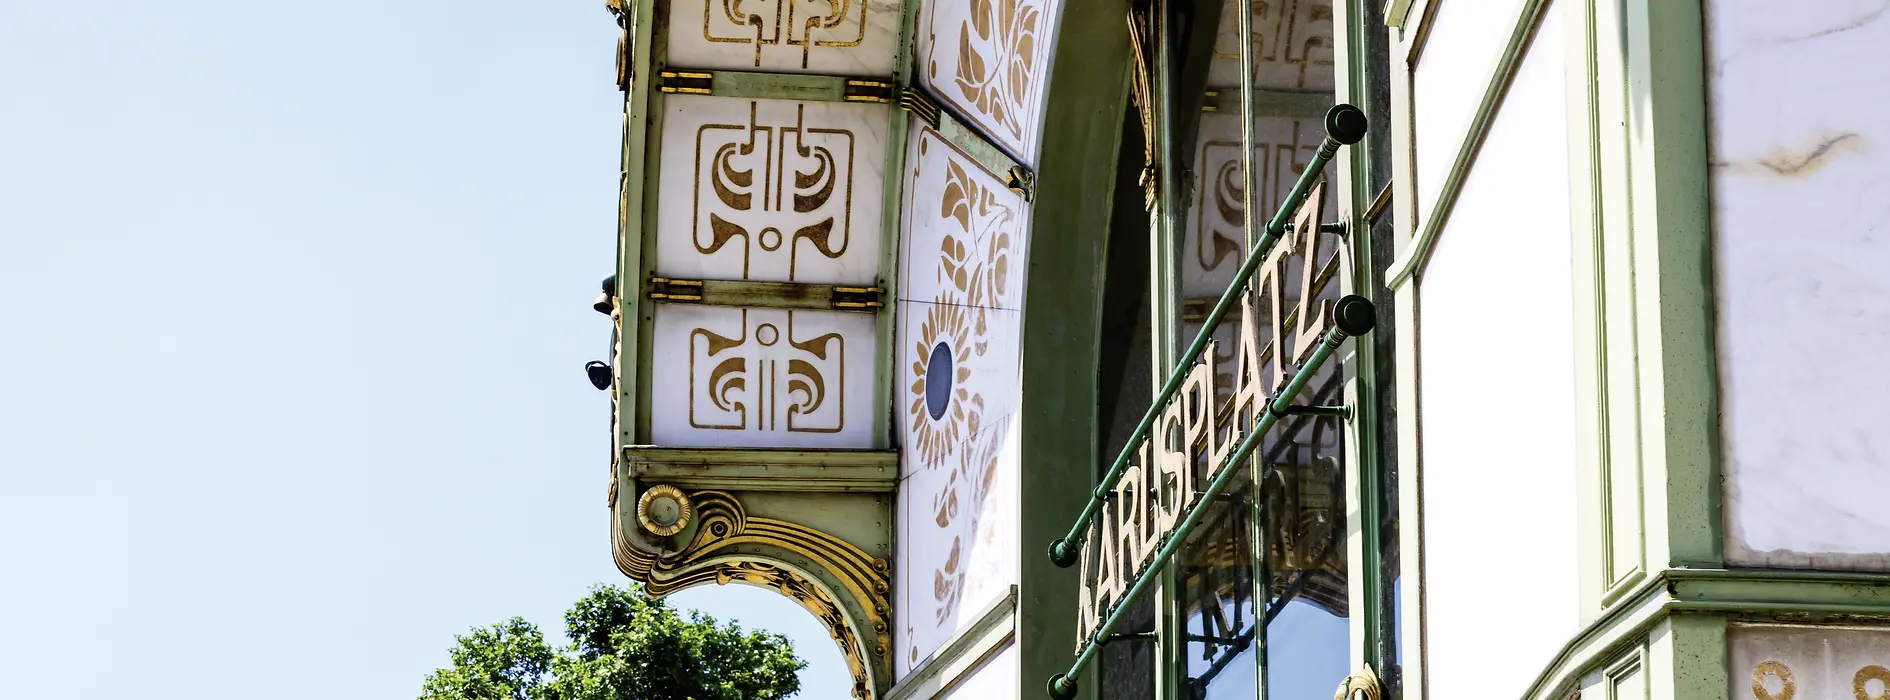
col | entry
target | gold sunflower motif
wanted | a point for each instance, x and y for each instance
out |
(942, 412)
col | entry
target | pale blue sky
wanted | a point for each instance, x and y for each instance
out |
(294, 300)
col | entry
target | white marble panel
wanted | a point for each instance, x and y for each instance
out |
(772, 190)
(829, 37)
(965, 234)
(1292, 46)
(994, 679)
(1775, 662)
(732, 377)
(989, 61)
(1496, 371)
(958, 393)
(1212, 248)
(1801, 195)
(1451, 74)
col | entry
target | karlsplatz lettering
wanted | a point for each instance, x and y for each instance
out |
(1202, 427)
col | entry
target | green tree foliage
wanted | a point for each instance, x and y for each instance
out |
(624, 646)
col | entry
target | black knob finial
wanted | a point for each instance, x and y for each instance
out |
(1355, 315)
(1345, 124)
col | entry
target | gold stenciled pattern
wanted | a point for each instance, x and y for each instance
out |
(786, 381)
(1213, 247)
(791, 23)
(780, 189)
(994, 62)
(1777, 671)
(963, 230)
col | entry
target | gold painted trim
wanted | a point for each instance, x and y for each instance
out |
(684, 510)
(723, 548)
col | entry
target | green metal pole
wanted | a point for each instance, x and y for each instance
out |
(1345, 125)
(1353, 315)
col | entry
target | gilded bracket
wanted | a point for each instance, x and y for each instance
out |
(669, 539)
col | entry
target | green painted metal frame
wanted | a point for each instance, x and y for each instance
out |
(1364, 472)
(631, 222)
(1695, 601)
(766, 469)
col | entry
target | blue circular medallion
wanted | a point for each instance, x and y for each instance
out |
(938, 381)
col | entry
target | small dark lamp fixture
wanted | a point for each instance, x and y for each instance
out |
(604, 299)
(599, 374)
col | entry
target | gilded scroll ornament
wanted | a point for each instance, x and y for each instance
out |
(721, 546)
(664, 510)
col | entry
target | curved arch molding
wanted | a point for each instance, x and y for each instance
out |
(721, 542)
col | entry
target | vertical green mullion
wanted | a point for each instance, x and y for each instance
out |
(1165, 297)
(887, 326)
(1249, 233)
(652, 162)
(631, 222)
(1364, 470)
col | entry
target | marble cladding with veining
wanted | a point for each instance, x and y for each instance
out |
(1800, 166)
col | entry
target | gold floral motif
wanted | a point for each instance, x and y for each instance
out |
(941, 351)
(956, 431)
(971, 483)
(998, 62)
(647, 503)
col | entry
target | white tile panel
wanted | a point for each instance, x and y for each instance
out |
(829, 37)
(732, 377)
(956, 404)
(989, 61)
(772, 190)
(965, 234)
